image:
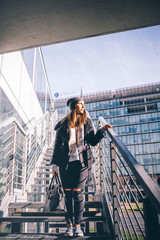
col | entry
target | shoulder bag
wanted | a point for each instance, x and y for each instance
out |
(55, 198)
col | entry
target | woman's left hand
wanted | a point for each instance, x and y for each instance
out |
(107, 126)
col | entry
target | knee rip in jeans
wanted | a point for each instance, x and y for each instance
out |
(68, 189)
(77, 189)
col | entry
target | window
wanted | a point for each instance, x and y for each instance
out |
(152, 107)
(153, 98)
(133, 101)
(136, 109)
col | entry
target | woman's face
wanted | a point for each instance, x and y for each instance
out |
(80, 107)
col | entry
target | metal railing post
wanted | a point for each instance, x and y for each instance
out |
(97, 171)
(114, 189)
(100, 167)
(12, 157)
(152, 228)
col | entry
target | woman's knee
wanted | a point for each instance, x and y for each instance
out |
(78, 194)
(77, 189)
(67, 189)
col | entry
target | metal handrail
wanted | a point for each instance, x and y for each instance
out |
(131, 200)
(143, 178)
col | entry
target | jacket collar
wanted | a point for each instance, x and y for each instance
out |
(62, 128)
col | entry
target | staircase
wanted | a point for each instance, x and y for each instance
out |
(28, 221)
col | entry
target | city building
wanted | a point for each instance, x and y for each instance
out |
(134, 114)
(35, 65)
(24, 88)
(25, 122)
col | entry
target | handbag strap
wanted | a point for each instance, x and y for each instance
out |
(56, 177)
(51, 182)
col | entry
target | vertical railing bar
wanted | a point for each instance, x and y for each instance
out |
(106, 168)
(114, 189)
(131, 209)
(107, 155)
(120, 205)
(139, 174)
(130, 192)
(129, 175)
(124, 220)
(123, 226)
(100, 165)
(109, 207)
(13, 166)
(107, 183)
(107, 192)
(128, 218)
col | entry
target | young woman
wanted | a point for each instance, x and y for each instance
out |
(75, 133)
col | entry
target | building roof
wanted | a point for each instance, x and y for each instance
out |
(118, 93)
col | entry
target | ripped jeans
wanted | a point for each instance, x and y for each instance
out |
(73, 181)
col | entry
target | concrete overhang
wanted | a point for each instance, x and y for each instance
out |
(29, 23)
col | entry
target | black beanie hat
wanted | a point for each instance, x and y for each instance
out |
(73, 101)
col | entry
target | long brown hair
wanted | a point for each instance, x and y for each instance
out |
(75, 120)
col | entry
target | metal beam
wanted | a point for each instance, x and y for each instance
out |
(26, 24)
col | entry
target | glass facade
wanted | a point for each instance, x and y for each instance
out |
(34, 62)
(134, 114)
(24, 98)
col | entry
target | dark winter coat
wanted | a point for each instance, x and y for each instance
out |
(61, 148)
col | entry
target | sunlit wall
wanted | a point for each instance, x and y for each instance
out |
(34, 62)
(24, 89)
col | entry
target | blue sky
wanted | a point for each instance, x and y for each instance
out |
(104, 63)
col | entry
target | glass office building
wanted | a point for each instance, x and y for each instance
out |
(25, 123)
(34, 62)
(134, 114)
(24, 88)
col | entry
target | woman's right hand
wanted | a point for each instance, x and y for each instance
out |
(54, 169)
(54, 172)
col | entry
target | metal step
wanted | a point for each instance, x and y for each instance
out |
(39, 185)
(55, 219)
(42, 179)
(44, 172)
(46, 162)
(47, 157)
(47, 185)
(48, 236)
(45, 167)
(45, 193)
(53, 214)
(88, 204)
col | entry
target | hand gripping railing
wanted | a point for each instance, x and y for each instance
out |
(131, 198)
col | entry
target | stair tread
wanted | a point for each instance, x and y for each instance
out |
(45, 219)
(47, 167)
(38, 236)
(91, 204)
(42, 178)
(40, 185)
(44, 172)
(45, 193)
(56, 213)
